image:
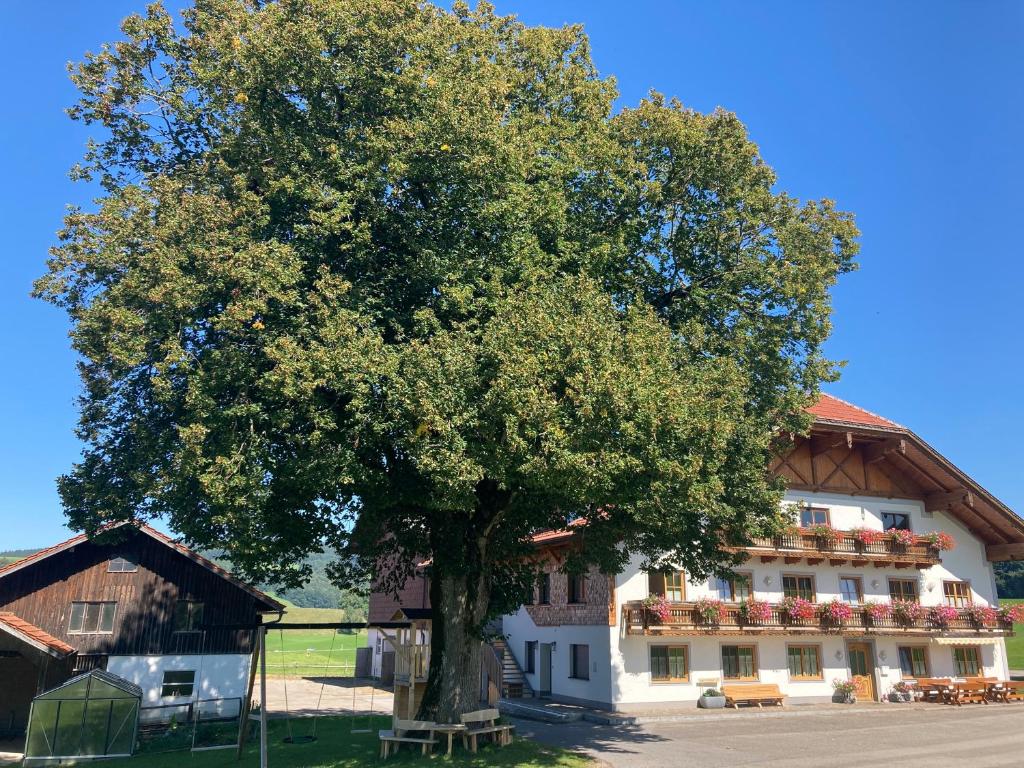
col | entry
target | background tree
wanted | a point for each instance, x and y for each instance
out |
(381, 277)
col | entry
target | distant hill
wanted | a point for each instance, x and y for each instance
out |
(318, 593)
(1010, 579)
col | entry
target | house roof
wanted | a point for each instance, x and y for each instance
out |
(33, 635)
(268, 603)
(941, 480)
(833, 410)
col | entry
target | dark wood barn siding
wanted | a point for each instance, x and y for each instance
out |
(42, 594)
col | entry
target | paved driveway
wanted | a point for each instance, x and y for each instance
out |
(904, 735)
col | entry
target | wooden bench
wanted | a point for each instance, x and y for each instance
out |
(932, 688)
(1014, 690)
(390, 740)
(758, 693)
(484, 723)
(968, 693)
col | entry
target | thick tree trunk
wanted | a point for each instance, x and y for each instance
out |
(459, 604)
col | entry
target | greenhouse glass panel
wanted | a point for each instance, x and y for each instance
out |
(69, 728)
(39, 741)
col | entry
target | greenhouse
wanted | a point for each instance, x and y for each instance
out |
(95, 714)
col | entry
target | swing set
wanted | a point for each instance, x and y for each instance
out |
(358, 723)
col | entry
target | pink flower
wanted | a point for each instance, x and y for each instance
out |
(941, 615)
(878, 611)
(899, 536)
(836, 611)
(907, 611)
(939, 540)
(983, 615)
(710, 611)
(659, 606)
(1012, 613)
(798, 608)
(867, 536)
(756, 611)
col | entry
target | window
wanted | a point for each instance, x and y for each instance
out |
(121, 565)
(966, 661)
(178, 683)
(531, 656)
(739, 662)
(577, 588)
(804, 662)
(813, 516)
(188, 616)
(530, 596)
(897, 520)
(903, 589)
(92, 618)
(851, 590)
(544, 589)
(913, 661)
(798, 586)
(675, 586)
(958, 593)
(736, 587)
(670, 663)
(579, 662)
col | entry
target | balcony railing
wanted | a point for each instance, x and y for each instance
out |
(805, 545)
(684, 619)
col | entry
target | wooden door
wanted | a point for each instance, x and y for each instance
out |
(862, 670)
(545, 670)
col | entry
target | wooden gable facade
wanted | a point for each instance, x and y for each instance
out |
(165, 599)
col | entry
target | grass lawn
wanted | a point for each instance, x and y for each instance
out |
(338, 747)
(1015, 644)
(309, 652)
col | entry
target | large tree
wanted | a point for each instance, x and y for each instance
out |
(377, 276)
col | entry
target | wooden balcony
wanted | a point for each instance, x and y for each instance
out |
(684, 620)
(844, 550)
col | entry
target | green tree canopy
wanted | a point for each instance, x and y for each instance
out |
(377, 276)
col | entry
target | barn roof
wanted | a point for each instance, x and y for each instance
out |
(268, 603)
(29, 633)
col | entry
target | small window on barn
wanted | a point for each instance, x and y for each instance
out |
(188, 616)
(577, 588)
(121, 565)
(579, 662)
(92, 618)
(178, 683)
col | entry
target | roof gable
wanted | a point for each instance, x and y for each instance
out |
(267, 603)
(832, 409)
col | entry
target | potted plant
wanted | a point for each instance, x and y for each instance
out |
(845, 691)
(865, 537)
(900, 538)
(659, 607)
(983, 615)
(901, 692)
(825, 534)
(709, 610)
(907, 612)
(797, 608)
(939, 540)
(712, 698)
(878, 611)
(942, 615)
(755, 611)
(835, 611)
(1012, 613)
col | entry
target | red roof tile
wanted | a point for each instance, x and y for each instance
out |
(25, 630)
(829, 408)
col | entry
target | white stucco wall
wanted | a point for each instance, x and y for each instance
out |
(519, 628)
(218, 676)
(630, 656)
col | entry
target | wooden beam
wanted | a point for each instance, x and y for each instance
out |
(878, 451)
(825, 443)
(999, 553)
(942, 501)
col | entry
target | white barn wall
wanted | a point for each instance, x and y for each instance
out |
(218, 676)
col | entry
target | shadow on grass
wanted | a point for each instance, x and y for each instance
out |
(338, 746)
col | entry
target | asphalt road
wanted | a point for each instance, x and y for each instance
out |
(978, 736)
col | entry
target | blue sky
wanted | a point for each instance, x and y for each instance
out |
(907, 114)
